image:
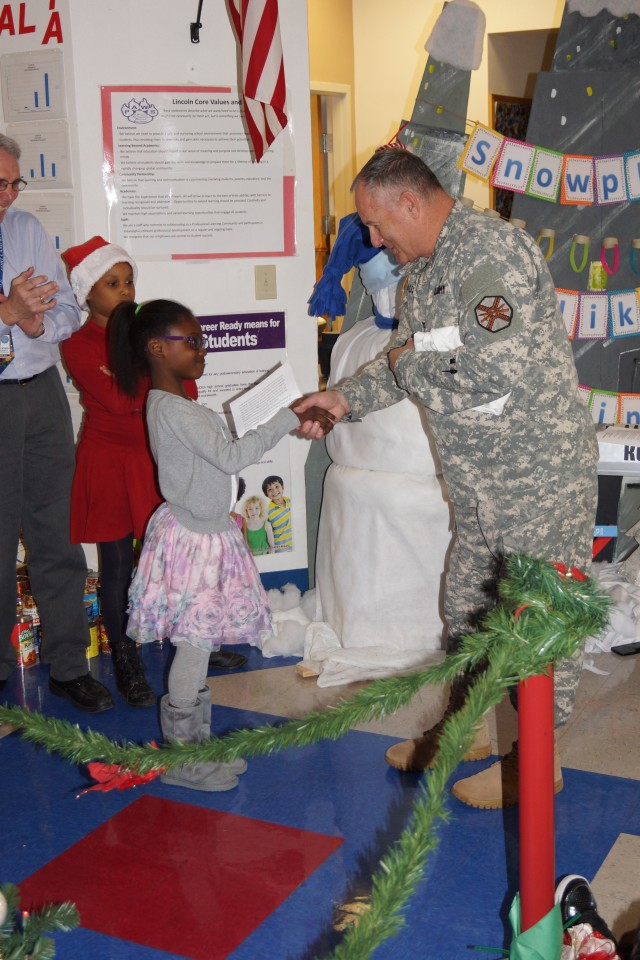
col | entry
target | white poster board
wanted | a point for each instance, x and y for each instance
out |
(180, 180)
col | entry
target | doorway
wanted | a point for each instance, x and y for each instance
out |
(332, 166)
(332, 163)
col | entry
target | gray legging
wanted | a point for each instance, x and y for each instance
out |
(187, 675)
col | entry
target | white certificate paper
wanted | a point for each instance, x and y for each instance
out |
(261, 402)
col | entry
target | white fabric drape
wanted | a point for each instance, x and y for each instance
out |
(383, 536)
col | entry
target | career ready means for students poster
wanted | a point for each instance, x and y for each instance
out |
(241, 348)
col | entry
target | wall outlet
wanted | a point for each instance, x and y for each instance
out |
(265, 277)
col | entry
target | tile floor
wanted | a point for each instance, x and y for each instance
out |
(305, 828)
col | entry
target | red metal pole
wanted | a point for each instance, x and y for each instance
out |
(537, 832)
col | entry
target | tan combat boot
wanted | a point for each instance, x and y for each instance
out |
(497, 786)
(416, 755)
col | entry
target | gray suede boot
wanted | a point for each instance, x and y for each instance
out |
(185, 724)
(204, 699)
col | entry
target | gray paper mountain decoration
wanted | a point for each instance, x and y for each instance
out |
(589, 105)
(436, 130)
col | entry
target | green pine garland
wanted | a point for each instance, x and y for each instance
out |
(26, 940)
(542, 617)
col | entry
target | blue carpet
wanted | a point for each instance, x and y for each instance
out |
(342, 789)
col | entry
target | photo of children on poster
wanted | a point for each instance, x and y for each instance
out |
(241, 349)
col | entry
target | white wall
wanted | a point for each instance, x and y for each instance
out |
(389, 38)
(116, 42)
(147, 42)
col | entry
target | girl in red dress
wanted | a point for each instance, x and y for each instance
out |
(114, 488)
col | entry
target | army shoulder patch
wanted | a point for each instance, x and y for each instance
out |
(494, 313)
(491, 307)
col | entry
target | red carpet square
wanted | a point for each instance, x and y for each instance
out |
(178, 877)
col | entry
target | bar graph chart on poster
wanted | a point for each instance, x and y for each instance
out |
(45, 162)
(34, 109)
(55, 212)
(33, 86)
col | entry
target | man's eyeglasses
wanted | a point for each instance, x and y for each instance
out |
(16, 185)
(195, 341)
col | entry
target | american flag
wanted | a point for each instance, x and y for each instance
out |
(258, 31)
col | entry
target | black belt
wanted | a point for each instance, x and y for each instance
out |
(14, 383)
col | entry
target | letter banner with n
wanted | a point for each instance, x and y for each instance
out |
(257, 28)
(511, 171)
(480, 152)
(629, 410)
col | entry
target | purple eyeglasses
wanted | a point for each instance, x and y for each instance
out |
(195, 341)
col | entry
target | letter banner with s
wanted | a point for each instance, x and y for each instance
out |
(549, 175)
(480, 152)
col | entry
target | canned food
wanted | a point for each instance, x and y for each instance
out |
(23, 640)
(90, 605)
(37, 631)
(597, 276)
(22, 584)
(91, 602)
(94, 645)
(103, 637)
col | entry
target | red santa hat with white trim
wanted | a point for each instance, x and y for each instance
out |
(89, 261)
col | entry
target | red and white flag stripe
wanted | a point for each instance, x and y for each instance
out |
(258, 31)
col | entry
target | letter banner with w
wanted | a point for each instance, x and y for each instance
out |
(257, 28)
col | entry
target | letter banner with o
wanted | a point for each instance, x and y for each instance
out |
(546, 171)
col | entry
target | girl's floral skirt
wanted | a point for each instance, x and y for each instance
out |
(202, 588)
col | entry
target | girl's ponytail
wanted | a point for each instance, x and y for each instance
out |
(125, 363)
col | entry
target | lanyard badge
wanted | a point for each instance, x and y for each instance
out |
(6, 341)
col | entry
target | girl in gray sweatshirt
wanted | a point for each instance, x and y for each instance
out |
(196, 581)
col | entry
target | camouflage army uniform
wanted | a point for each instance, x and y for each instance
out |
(522, 481)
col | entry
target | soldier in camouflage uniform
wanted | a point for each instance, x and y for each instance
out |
(482, 345)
